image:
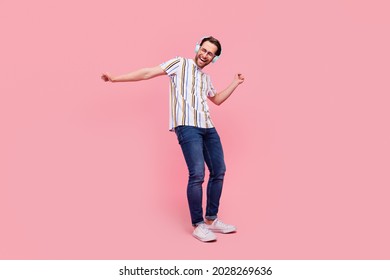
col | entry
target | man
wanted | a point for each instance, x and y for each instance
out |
(190, 119)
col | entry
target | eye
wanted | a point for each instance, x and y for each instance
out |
(204, 51)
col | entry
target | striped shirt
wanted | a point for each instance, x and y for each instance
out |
(189, 89)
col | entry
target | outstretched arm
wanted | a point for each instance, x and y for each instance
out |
(137, 75)
(220, 97)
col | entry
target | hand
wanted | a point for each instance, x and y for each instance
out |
(239, 78)
(106, 77)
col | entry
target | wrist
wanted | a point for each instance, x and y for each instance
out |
(236, 83)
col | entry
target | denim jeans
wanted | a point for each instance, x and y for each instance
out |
(200, 146)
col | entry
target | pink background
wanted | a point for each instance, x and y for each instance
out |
(90, 171)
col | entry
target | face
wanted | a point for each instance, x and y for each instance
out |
(206, 54)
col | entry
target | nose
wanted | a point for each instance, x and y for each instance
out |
(205, 55)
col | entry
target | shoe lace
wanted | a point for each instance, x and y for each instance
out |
(204, 228)
(221, 224)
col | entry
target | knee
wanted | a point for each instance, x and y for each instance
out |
(197, 174)
(218, 173)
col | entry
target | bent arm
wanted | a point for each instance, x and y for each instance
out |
(221, 97)
(137, 75)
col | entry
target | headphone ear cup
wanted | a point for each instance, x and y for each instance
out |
(197, 47)
(215, 59)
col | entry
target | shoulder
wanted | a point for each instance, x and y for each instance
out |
(176, 59)
(173, 62)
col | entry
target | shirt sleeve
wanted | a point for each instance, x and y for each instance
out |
(171, 66)
(211, 90)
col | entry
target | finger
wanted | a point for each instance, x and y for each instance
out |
(105, 77)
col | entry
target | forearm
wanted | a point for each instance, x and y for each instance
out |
(137, 75)
(221, 97)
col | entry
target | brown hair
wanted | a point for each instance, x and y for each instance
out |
(214, 41)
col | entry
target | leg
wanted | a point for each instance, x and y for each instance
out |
(191, 142)
(214, 158)
(213, 154)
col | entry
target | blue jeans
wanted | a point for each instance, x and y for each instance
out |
(200, 146)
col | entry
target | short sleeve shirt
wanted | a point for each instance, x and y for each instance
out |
(189, 89)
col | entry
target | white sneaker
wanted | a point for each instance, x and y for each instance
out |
(203, 233)
(219, 226)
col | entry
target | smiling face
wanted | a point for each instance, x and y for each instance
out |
(205, 54)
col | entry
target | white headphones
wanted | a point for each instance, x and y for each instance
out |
(197, 47)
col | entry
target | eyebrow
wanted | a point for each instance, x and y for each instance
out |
(207, 50)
